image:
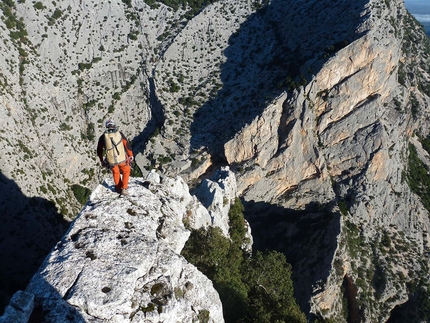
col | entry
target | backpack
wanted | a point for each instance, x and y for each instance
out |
(115, 150)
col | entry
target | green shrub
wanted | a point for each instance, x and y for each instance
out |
(271, 299)
(57, 14)
(343, 207)
(9, 3)
(425, 142)
(90, 135)
(136, 171)
(415, 106)
(252, 289)
(127, 2)
(164, 159)
(173, 87)
(65, 127)
(81, 193)
(237, 224)
(418, 177)
(424, 300)
(83, 66)
(401, 74)
(39, 6)
(133, 35)
(203, 316)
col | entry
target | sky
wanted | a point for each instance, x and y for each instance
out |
(419, 8)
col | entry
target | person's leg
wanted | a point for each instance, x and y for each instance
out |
(125, 169)
(117, 178)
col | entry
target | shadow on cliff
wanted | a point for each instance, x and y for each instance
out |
(156, 121)
(277, 49)
(50, 306)
(307, 238)
(29, 228)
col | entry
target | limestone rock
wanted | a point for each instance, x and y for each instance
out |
(216, 194)
(120, 262)
(19, 309)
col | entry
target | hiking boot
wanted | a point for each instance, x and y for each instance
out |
(124, 191)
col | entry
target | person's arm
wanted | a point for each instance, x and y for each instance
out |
(100, 147)
(127, 146)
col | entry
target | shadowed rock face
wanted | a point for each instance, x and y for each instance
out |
(30, 228)
(296, 233)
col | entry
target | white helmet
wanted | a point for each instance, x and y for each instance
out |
(110, 124)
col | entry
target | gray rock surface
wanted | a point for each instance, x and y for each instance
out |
(120, 262)
(19, 309)
(216, 194)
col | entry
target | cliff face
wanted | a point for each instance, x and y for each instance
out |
(315, 105)
(342, 139)
(335, 143)
(341, 128)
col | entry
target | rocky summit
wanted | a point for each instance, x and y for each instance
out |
(120, 260)
(320, 108)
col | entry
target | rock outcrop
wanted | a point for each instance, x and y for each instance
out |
(327, 138)
(120, 261)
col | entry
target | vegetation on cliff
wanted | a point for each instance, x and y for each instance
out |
(418, 176)
(194, 5)
(255, 288)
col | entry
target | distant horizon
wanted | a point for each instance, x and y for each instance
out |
(418, 6)
(420, 9)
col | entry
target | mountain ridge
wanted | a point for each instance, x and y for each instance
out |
(120, 261)
(322, 126)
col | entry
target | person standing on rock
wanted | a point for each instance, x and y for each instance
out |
(118, 155)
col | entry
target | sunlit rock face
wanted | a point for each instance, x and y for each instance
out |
(342, 140)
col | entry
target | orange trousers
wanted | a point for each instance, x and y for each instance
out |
(117, 170)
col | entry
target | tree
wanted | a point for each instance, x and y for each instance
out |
(207, 250)
(215, 256)
(271, 295)
(254, 288)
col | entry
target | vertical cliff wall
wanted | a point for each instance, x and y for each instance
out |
(340, 143)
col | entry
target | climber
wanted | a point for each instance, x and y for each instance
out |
(119, 155)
